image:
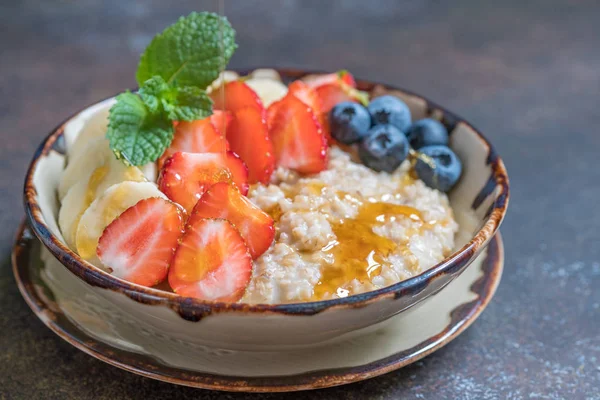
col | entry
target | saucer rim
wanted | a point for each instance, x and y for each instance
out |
(462, 316)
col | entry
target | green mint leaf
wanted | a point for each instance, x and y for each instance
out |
(137, 135)
(186, 103)
(152, 91)
(190, 52)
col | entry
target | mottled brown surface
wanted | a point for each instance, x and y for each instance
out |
(525, 72)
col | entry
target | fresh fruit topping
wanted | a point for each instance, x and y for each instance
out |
(438, 167)
(265, 73)
(318, 80)
(96, 155)
(212, 262)
(173, 74)
(298, 141)
(104, 210)
(384, 148)
(332, 94)
(310, 97)
(186, 176)
(248, 136)
(268, 90)
(427, 132)
(224, 77)
(307, 95)
(199, 136)
(234, 96)
(139, 245)
(223, 200)
(390, 110)
(221, 120)
(349, 122)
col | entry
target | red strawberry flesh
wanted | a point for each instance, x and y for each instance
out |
(248, 136)
(212, 262)
(186, 176)
(223, 200)
(199, 136)
(138, 246)
(298, 140)
(236, 95)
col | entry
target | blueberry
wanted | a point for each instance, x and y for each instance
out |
(427, 132)
(384, 148)
(440, 168)
(390, 110)
(349, 122)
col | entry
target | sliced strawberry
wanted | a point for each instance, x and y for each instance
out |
(186, 176)
(310, 97)
(223, 200)
(298, 140)
(248, 136)
(199, 136)
(221, 120)
(212, 262)
(307, 94)
(343, 75)
(138, 246)
(236, 95)
(334, 93)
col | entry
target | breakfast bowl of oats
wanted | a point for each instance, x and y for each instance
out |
(257, 209)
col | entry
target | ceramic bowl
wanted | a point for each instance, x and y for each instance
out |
(158, 319)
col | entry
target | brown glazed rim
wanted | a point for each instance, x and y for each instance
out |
(194, 309)
(50, 314)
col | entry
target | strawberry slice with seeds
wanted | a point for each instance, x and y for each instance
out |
(186, 176)
(139, 244)
(319, 80)
(306, 94)
(236, 95)
(309, 96)
(221, 120)
(199, 136)
(223, 200)
(334, 93)
(298, 140)
(248, 136)
(212, 262)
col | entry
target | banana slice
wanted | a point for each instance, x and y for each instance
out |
(94, 128)
(96, 158)
(150, 171)
(94, 117)
(224, 77)
(104, 210)
(85, 191)
(268, 90)
(266, 73)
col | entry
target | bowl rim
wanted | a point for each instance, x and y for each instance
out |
(194, 309)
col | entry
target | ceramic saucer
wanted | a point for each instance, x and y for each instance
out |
(397, 342)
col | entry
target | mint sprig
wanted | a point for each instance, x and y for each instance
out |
(185, 103)
(136, 134)
(190, 52)
(173, 74)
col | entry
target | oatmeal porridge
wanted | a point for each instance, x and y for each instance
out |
(347, 230)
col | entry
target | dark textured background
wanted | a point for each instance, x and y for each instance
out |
(526, 72)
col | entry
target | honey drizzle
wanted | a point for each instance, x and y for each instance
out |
(358, 252)
(86, 244)
(90, 194)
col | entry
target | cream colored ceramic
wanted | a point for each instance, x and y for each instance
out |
(98, 327)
